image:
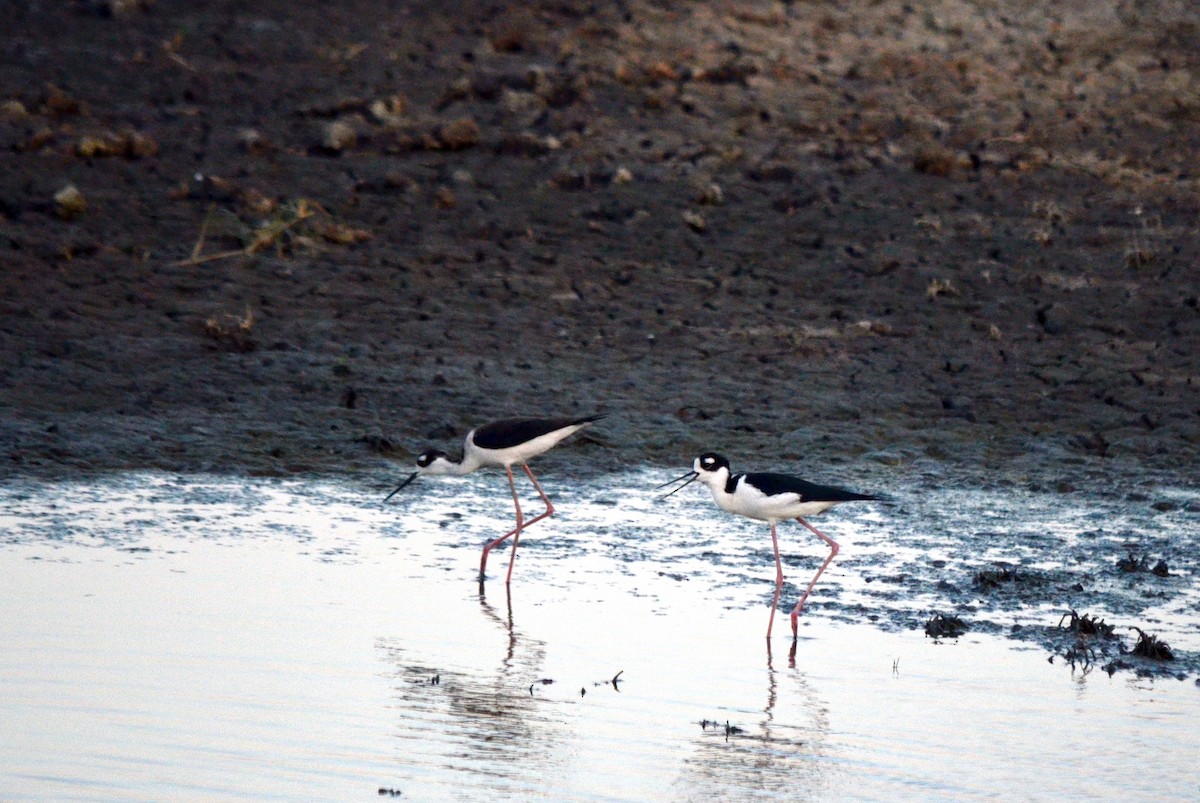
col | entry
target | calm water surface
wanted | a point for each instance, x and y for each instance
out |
(195, 637)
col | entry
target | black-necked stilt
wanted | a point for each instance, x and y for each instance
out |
(770, 498)
(503, 444)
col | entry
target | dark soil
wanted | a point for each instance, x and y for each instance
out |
(956, 238)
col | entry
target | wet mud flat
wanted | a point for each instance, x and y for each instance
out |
(293, 238)
(281, 637)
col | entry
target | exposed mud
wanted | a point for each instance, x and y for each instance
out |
(955, 238)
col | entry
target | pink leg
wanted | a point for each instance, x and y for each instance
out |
(514, 533)
(549, 512)
(778, 582)
(487, 548)
(833, 550)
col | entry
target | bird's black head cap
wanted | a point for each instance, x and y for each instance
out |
(711, 461)
(424, 459)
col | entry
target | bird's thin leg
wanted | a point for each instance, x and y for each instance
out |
(549, 512)
(778, 580)
(541, 493)
(833, 550)
(515, 531)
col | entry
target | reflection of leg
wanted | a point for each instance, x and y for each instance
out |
(778, 580)
(833, 550)
(495, 617)
(515, 531)
(512, 561)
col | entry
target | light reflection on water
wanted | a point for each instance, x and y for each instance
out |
(206, 637)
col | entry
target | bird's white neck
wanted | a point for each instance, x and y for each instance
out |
(717, 482)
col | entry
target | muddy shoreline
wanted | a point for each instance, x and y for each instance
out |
(961, 252)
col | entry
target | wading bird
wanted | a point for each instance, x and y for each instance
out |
(770, 498)
(502, 444)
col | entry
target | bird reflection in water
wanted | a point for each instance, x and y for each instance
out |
(771, 756)
(480, 725)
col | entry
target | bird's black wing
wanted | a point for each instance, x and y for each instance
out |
(772, 484)
(510, 432)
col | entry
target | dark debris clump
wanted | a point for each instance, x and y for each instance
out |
(942, 626)
(1087, 625)
(1150, 646)
(1131, 564)
(994, 578)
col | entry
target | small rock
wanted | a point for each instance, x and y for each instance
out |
(695, 220)
(458, 134)
(935, 160)
(526, 107)
(940, 287)
(338, 136)
(252, 141)
(443, 198)
(622, 175)
(129, 143)
(1053, 319)
(772, 172)
(711, 195)
(139, 145)
(59, 103)
(69, 202)
(88, 147)
(955, 403)
(13, 110)
(390, 111)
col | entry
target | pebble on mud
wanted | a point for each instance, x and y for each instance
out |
(1053, 319)
(390, 110)
(695, 220)
(711, 195)
(935, 160)
(13, 109)
(59, 104)
(459, 134)
(251, 141)
(338, 136)
(443, 198)
(129, 143)
(69, 202)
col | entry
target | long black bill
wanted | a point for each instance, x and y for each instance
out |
(411, 477)
(691, 477)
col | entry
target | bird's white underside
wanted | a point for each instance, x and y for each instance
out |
(748, 501)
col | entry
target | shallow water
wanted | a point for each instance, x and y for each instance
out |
(183, 637)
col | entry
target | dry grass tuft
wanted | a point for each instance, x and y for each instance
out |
(288, 227)
(232, 332)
